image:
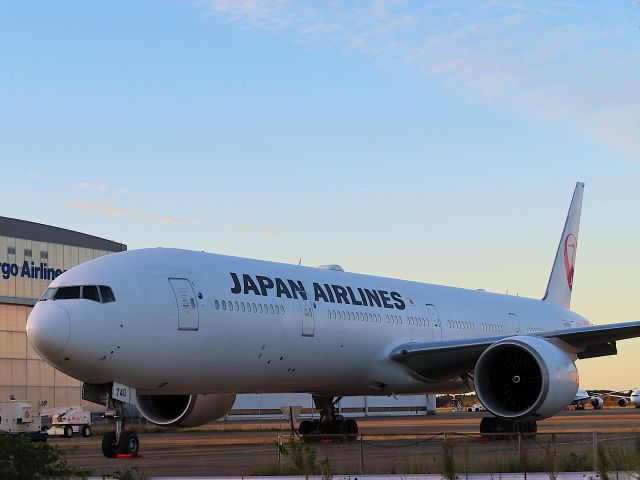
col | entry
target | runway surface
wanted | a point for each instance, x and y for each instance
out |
(387, 444)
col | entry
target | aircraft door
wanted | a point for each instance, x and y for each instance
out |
(514, 323)
(308, 318)
(188, 316)
(434, 319)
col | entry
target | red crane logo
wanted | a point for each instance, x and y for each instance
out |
(570, 247)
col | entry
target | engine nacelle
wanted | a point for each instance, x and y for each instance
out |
(622, 402)
(185, 410)
(525, 378)
(597, 402)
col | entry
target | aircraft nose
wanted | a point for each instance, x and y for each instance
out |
(48, 328)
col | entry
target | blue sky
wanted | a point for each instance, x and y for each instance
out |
(437, 141)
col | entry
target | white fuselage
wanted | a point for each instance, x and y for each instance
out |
(235, 332)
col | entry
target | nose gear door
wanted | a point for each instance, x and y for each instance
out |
(188, 315)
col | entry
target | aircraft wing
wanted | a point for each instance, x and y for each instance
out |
(444, 360)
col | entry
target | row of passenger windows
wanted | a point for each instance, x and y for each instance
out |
(492, 327)
(533, 329)
(97, 293)
(275, 309)
(360, 316)
(365, 317)
(231, 305)
(461, 325)
(418, 321)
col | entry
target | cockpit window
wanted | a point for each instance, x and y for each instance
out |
(96, 293)
(107, 294)
(48, 294)
(90, 292)
(67, 293)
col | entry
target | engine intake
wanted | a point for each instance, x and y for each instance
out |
(185, 410)
(525, 377)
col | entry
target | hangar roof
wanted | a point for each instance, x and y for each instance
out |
(13, 227)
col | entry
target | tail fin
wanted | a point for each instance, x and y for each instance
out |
(561, 279)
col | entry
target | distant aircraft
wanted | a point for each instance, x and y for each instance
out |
(179, 333)
(584, 398)
(631, 397)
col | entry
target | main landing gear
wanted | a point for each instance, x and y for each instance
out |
(331, 425)
(498, 428)
(120, 441)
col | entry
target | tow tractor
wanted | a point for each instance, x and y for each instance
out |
(67, 421)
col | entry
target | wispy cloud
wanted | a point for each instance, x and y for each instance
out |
(574, 63)
(258, 232)
(109, 209)
(102, 188)
(35, 175)
(93, 186)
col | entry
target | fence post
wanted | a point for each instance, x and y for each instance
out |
(279, 446)
(520, 446)
(466, 459)
(595, 450)
(361, 455)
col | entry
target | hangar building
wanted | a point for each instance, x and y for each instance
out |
(31, 256)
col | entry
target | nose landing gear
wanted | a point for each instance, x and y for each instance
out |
(331, 425)
(119, 441)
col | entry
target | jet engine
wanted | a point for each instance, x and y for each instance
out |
(622, 402)
(525, 378)
(597, 403)
(185, 410)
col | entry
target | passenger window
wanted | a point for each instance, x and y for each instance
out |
(271, 309)
(255, 309)
(107, 294)
(242, 306)
(90, 292)
(282, 309)
(237, 306)
(260, 307)
(224, 305)
(217, 303)
(230, 306)
(67, 293)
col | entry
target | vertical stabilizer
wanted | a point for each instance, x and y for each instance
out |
(561, 279)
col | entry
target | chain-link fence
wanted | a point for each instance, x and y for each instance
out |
(451, 454)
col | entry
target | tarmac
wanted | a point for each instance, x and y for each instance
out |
(386, 444)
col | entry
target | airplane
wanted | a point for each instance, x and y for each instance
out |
(583, 398)
(179, 333)
(630, 397)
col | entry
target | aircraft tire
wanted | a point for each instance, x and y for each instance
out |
(304, 428)
(68, 432)
(86, 431)
(109, 447)
(351, 429)
(129, 444)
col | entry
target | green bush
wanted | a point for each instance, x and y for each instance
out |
(22, 459)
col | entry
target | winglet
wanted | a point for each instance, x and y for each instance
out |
(561, 279)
